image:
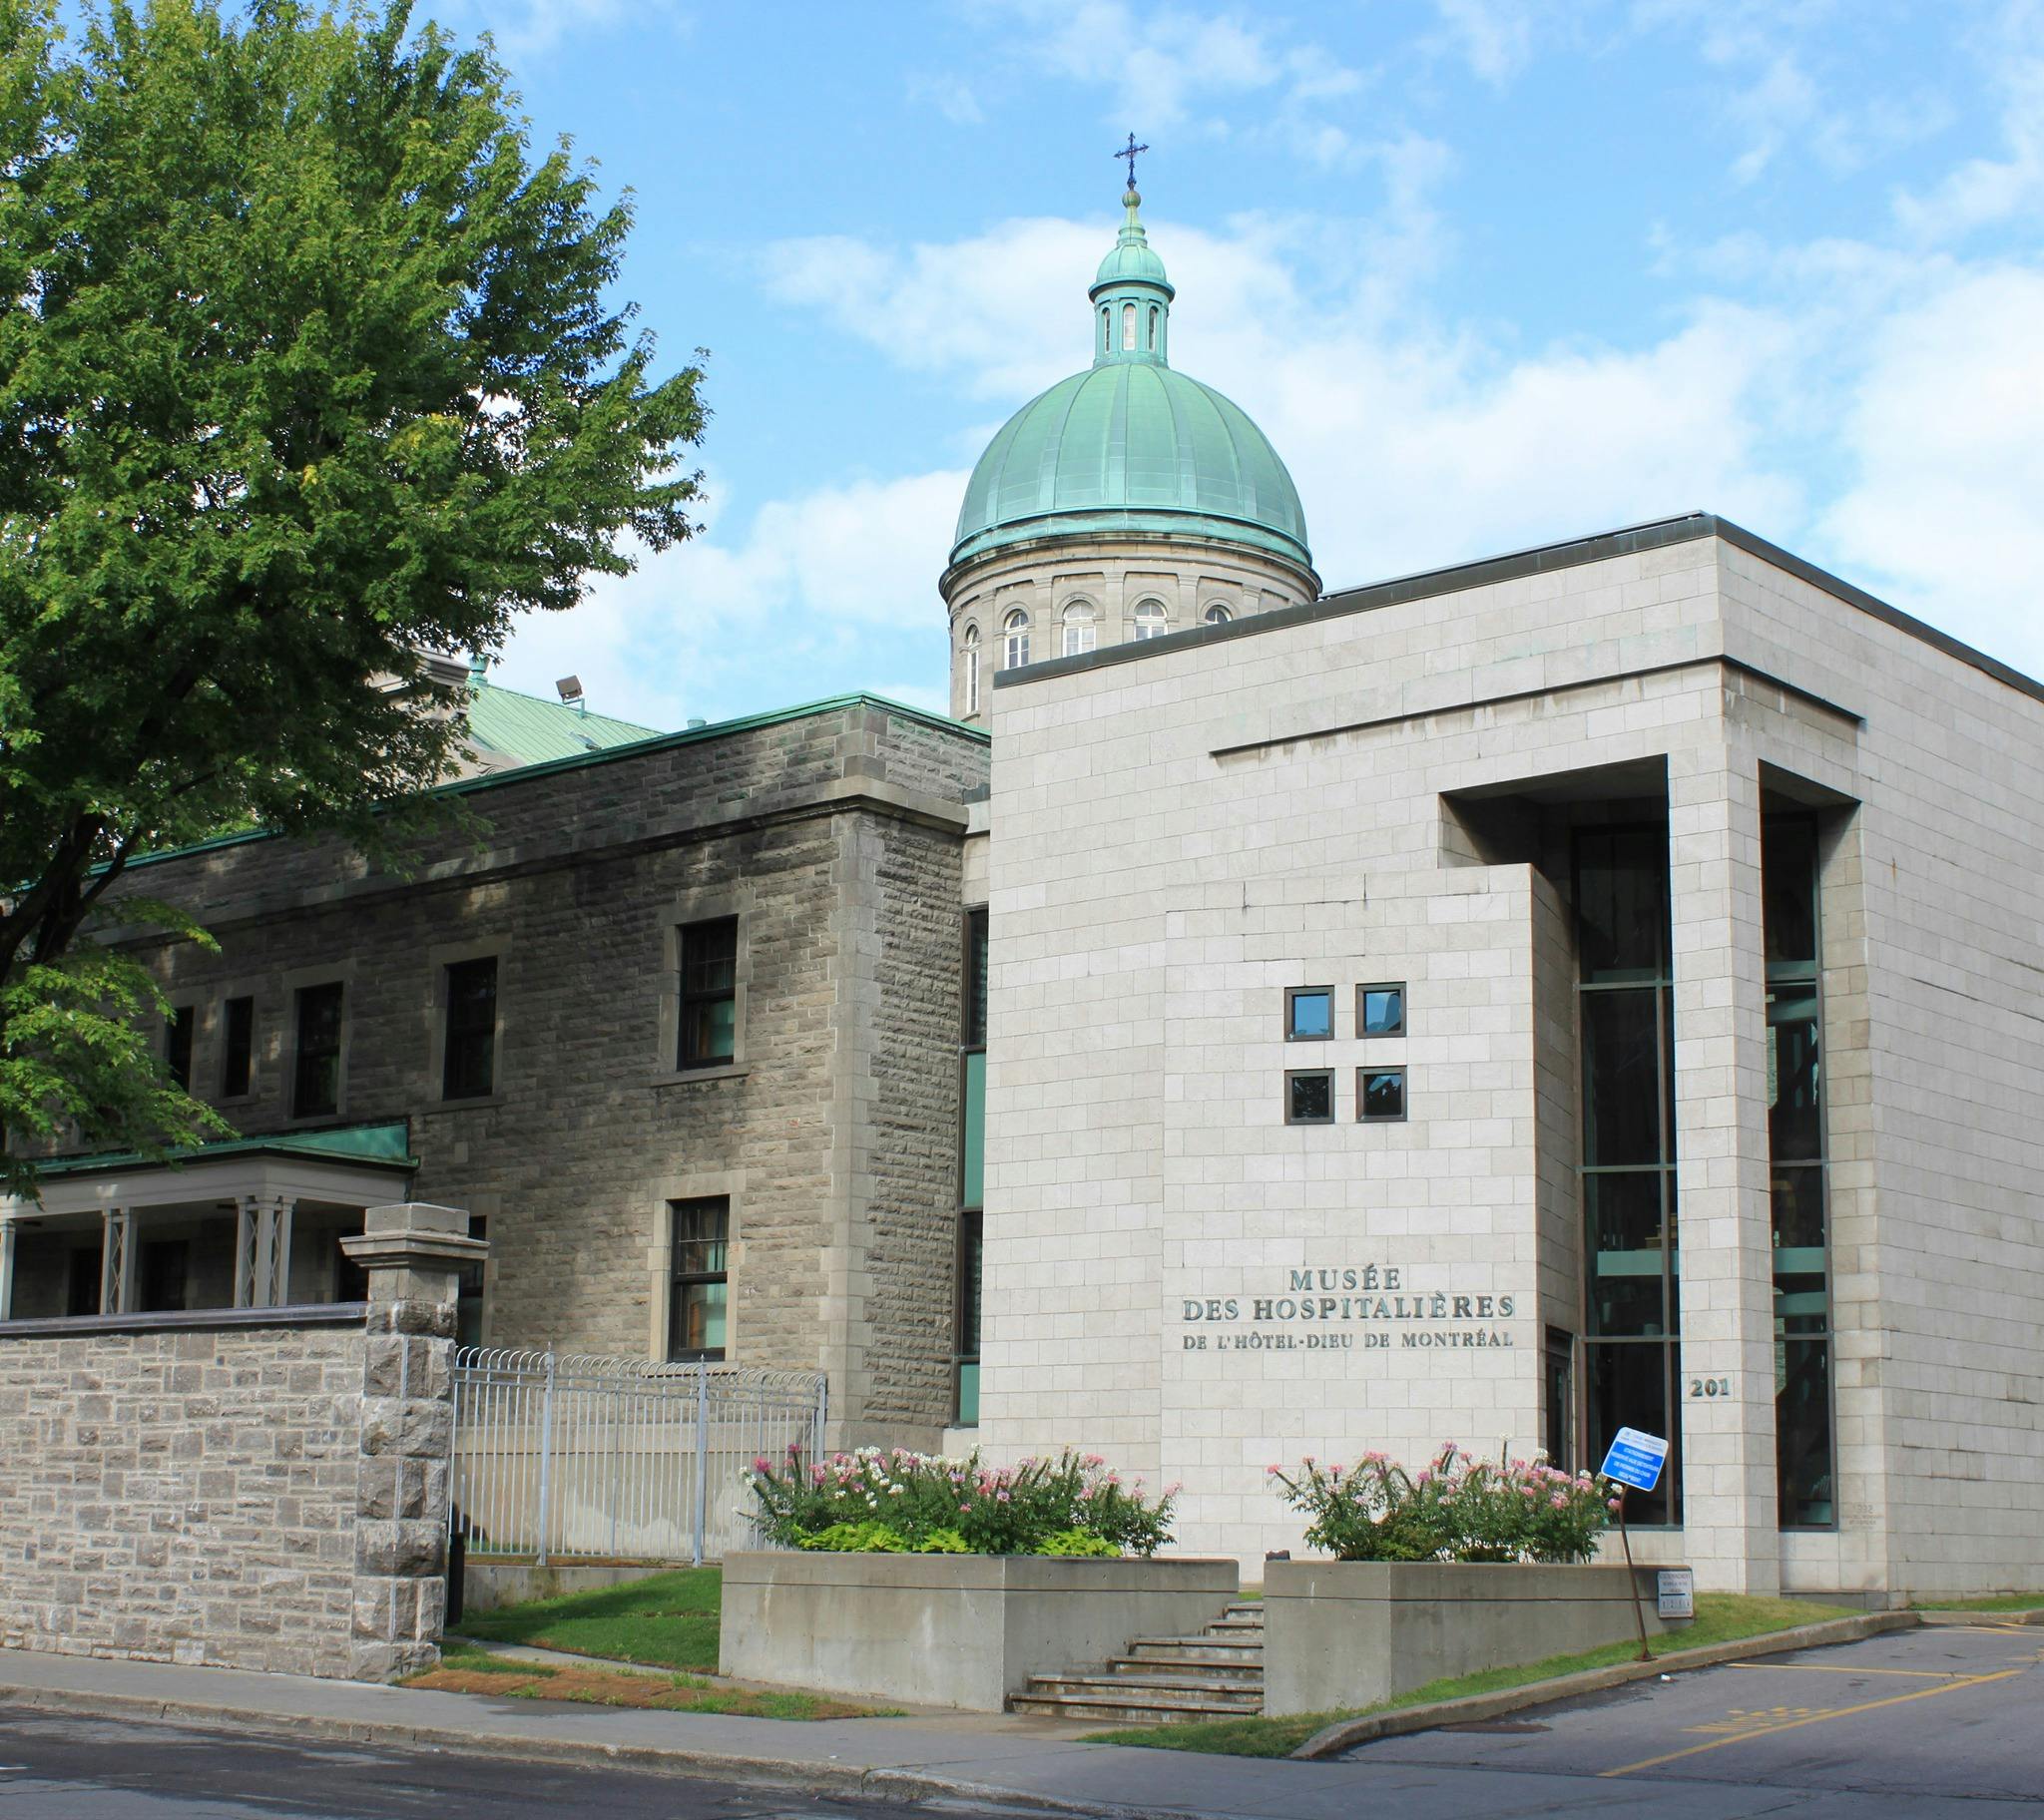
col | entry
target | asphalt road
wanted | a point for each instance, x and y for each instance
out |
(1924, 1723)
(60, 1768)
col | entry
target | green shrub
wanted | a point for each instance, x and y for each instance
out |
(1456, 1509)
(938, 1506)
(1076, 1544)
(856, 1539)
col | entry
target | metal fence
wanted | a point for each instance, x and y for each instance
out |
(562, 1455)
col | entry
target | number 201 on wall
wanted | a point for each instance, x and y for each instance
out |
(1710, 1387)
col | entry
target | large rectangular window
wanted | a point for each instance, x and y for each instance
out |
(316, 1076)
(469, 1064)
(237, 1047)
(178, 1046)
(1796, 1151)
(971, 1176)
(1627, 1000)
(708, 997)
(700, 1281)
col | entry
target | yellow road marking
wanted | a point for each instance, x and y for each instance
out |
(1767, 1731)
(1928, 1675)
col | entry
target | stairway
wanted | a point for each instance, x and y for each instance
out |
(1217, 1675)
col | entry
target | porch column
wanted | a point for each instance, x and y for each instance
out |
(263, 1252)
(1731, 1532)
(6, 1269)
(117, 1261)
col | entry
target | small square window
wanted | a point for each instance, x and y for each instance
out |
(1309, 1096)
(1379, 1094)
(1380, 1010)
(1308, 1014)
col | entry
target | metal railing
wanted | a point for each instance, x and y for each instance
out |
(556, 1454)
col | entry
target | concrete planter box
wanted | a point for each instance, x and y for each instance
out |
(963, 1631)
(1342, 1633)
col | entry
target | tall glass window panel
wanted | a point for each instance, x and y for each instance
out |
(237, 1047)
(1627, 1012)
(178, 1046)
(701, 1234)
(315, 1080)
(966, 1356)
(1805, 1434)
(469, 1068)
(708, 996)
(1629, 1388)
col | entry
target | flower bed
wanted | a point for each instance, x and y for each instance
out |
(1457, 1508)
(1423, 1584)
(903, 1502)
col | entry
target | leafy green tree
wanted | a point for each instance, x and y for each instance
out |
(308, 368)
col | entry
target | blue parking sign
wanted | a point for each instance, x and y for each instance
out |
(1635, 1458)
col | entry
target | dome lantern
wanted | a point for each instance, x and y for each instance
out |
(1130, 298)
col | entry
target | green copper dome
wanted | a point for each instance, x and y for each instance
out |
(1132, 447)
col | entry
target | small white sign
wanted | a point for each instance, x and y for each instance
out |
(1678, 1592)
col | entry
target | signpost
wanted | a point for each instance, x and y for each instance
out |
(1634, 1462)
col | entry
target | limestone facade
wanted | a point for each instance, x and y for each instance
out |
(1381, 788)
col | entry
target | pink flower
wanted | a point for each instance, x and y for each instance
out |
(1272, 1471)
(1559, 1501)
(964, 1510)
(1611, 1504)
(1003, 1497)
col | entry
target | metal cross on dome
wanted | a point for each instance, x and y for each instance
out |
(1129, 152)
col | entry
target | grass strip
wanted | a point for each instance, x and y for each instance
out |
(2007, 1602)
(667, 1621)
(1721, 1618)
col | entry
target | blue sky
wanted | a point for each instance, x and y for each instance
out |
(1491, 272)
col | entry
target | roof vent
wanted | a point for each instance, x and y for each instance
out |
(696, 720)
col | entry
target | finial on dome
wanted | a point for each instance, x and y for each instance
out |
(1129, 152)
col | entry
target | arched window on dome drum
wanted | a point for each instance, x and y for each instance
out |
(1015, 629)
(1105, 331)
(1150, 620)
(972, 670)
(1153, 328)
(1127, 328)
(1080, 630)
(1218, 615)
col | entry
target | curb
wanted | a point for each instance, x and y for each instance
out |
(1993, 1621)
(1346, 1734)
(796, 1775)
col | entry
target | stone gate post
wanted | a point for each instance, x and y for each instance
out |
(414, 1254)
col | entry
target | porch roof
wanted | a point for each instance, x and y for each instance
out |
(354, 1164)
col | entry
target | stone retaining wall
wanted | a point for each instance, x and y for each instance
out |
(261, 1489)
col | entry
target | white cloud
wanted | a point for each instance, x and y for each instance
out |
(1947, 429)
(524, 28)
(812, 577)
(1985, 191)
(1164, 65)
(1495, 37)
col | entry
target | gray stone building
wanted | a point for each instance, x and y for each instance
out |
(677, 1021)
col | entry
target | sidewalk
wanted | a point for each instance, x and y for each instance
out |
(983, 1756)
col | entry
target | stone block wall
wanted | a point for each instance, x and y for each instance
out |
(235, 1492)
(183, 1496)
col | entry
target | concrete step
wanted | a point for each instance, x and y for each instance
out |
(1161, 1690)
(1099, 1709)
(1234, 1625)
(1199, 1648)
(1206, 1673)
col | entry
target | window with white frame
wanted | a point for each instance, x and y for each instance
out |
(1217, 615)
(972, 670)
(1127, 328)
(1015, 640)
(1150, 620)
(1081, 631)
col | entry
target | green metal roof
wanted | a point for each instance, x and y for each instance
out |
(381, 1145)
(658, 743)
(504, 725)
(1131, 448)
